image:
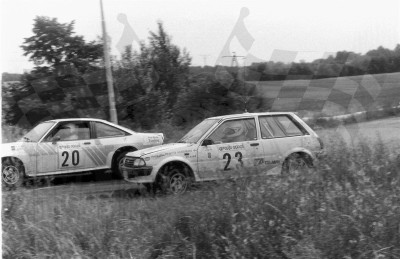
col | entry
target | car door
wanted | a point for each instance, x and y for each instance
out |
(66, 147)
(232, 152)
(271, 134)
(280, 134)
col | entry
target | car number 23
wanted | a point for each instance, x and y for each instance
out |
(227, 157)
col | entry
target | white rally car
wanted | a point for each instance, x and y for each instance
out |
(224, 147)
(67, 146)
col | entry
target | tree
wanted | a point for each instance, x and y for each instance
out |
(171, 64)
(150, 80)
(54, 44)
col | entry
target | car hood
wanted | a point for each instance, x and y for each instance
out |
(160, 149)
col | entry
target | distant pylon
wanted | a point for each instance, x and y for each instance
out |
(234, 59)
(205, 59)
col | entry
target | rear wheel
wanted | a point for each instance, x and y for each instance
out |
(116, 172)
(296, 163)
(13, 173)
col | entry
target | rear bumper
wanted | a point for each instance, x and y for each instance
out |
(320, 154)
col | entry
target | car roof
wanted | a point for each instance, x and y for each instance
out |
(92, 119)
(78, 119)
(247, 114)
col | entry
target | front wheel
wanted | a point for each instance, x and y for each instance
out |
(13, 173)
(175, 182)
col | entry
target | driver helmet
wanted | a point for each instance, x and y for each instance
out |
(70, 126)
(234, 130)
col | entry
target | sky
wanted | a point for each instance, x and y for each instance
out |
(285, 30)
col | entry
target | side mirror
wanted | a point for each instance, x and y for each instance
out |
(55, 139)
(207, 142)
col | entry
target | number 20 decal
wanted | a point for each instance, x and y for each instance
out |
(238, 155)
(74, 155)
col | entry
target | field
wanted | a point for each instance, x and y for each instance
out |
(333, 96)
(387, 130)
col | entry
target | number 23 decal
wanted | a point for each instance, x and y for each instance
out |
(74, 158)
(238, 155)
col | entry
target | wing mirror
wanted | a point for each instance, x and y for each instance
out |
(207, 142)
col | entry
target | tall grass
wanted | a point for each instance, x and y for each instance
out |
(347, 207)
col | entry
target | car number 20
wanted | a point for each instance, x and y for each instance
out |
(69, 158)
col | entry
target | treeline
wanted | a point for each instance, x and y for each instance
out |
(155, 84)
(344, 63)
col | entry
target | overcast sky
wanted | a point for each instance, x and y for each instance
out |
(264, 30)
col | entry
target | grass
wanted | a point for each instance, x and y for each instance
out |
(347, 207)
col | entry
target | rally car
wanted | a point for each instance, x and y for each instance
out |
(68, 146)
(225, 147)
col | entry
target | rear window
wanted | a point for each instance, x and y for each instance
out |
(278, 126)
(288, 126)
(107, 131)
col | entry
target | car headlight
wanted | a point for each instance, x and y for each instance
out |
(139, 162)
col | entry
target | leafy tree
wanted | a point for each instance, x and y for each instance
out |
(171, 64)
(151, 79)
(54, 44)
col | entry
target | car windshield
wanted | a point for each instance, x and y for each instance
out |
(37, 132)
(197, 132)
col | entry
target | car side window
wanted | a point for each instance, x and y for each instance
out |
(107, 131)
(66, 131)
(266, 131)
(271, 128)
(278, 126)
(288, 126)
(235, 131)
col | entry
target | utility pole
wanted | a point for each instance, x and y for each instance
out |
(107, 63)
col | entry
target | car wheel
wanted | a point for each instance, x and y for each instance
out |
(117, 174)
(295, 163)
(175, 182)
(13, 173)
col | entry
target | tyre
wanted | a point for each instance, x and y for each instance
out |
(117, 174)
(13, 173)
(295, 163)
(174, 182)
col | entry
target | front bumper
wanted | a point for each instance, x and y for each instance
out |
(129, 172)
